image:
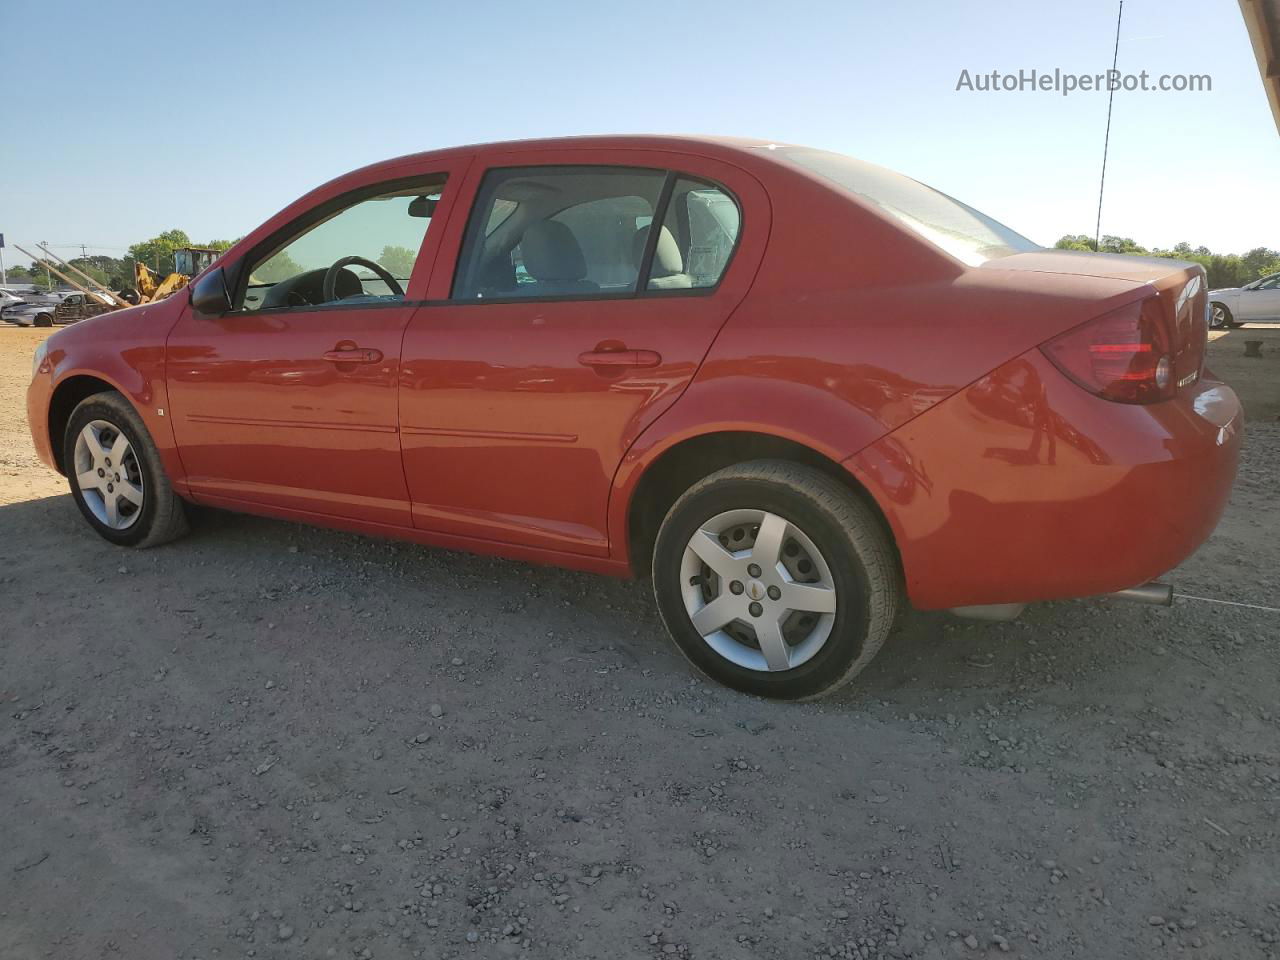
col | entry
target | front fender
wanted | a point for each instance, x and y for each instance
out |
(125, 351)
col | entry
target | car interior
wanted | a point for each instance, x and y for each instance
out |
(586, 232)
(360, 253)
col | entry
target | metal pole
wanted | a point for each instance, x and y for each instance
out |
(4, 277)
(106, 291)
(62, 276)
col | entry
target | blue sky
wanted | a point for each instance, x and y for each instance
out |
(121, 123)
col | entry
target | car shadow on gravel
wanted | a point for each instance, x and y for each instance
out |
(928, 652)
(394, 583)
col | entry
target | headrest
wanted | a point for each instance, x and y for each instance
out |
(551, 252)
(667, 260)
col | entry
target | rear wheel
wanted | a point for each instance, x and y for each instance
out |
(44, 320)
(774, 579)
(116, 476)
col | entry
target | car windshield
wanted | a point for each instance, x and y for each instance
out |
(971, 237)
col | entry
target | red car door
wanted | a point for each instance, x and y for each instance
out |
(538, 361)
(289, 401)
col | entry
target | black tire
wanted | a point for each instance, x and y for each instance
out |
(44, 320)
(858, 552)
(161, 517)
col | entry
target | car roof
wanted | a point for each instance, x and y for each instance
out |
(744, 150)
(631, 141)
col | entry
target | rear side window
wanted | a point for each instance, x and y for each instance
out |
(699, 232)
(557, 232)
(580, 231)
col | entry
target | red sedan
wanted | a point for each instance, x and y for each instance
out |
(798, 389)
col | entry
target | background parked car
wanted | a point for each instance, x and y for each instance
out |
(28, 314)
(1254, 302)
(29, 305)
(77, 306)
(41, 310)
(8, 299)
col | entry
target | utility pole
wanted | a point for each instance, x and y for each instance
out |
(4, 277)
(83, 255)
(1106, 140)
(105, 297)
(48, 278)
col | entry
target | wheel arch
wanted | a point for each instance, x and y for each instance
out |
(657, 483)
(67, 395)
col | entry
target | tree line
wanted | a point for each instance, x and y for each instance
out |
(115, 273)
(1223, 269)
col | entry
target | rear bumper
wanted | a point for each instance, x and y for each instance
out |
(1023, 487)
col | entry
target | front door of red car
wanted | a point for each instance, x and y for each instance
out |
(568, 326)
(289, 400)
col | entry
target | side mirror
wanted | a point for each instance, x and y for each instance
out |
(210, 294)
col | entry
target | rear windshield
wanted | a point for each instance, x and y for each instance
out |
(971, 237)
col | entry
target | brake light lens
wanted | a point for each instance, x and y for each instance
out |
(1126, 355)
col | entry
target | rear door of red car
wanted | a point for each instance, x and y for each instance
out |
(292, 404)
(521, 388)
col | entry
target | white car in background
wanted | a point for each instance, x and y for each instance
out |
(1255, 302)
(8, 299)
(29, 314)
(33, 309)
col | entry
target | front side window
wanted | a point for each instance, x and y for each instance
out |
(1269, 283)
(558, 231)
(361, 253)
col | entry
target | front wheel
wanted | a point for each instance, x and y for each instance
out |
(774, 579)
(116, 476)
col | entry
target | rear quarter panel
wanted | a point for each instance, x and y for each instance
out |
(853, 328)
(1024, 487)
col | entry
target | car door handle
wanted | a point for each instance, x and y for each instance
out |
(620, 358)
(353, 355)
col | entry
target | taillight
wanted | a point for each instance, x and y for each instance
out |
(1126, 355)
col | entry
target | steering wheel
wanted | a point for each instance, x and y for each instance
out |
(330, 287)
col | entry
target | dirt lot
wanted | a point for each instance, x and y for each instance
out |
(274, 741)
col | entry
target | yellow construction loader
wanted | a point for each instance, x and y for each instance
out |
(187, 262)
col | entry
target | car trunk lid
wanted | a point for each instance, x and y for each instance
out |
(1174, 291)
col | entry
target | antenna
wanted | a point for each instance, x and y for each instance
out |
(1106, 142)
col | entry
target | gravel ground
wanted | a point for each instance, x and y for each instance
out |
(273, 741)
